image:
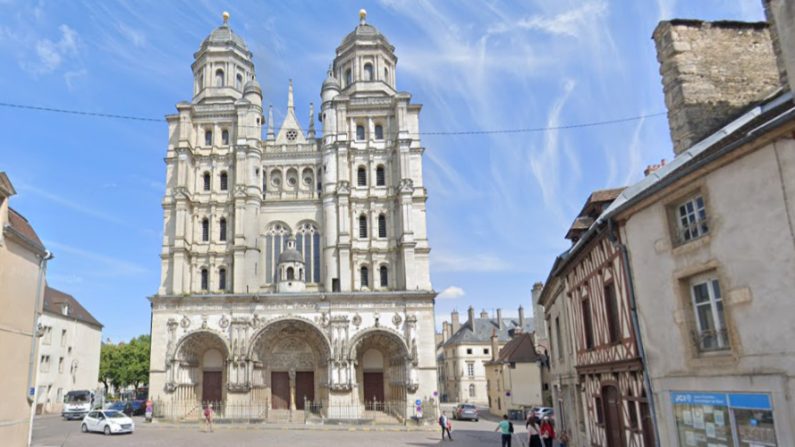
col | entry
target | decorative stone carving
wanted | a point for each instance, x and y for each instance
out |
(396, 320)
(343, 187)
(185, 322)
(256, 321)
(357, 320)
(377, 317)
(406, 185)
(204, 321)
(223, 323)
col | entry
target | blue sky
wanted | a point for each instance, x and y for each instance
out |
(499, 204)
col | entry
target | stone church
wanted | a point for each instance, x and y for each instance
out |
(294, 262)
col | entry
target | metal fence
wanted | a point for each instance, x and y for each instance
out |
(193, 411)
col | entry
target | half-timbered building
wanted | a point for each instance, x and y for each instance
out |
(606, 358)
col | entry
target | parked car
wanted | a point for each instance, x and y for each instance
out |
(108, 422)
(138, 407)
(466, 411)
(542, 412)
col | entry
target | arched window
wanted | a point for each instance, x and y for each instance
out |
(359, 133)
(363, 226)
(290, 274)
(219, 78)
(361, 176)
(222, 229)
(379, 132)
(381, 225)
(364, 276)
(224, 181)
(201, 81)
(225, 137)
(239, 81)
(383, 274)
(275, 240)
(208, 137)
(472, 390)
(368, 72)
(348, 77)
(307, 241)
(206, 181)
(380, 176)
(222, 279)
(205, 279)
(386, 74)
(205, 230)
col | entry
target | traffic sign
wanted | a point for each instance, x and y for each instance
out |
(418, 403)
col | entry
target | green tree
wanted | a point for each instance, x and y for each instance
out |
(125, 364)
(107, 365)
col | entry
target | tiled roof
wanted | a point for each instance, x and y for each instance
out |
(484, 328)
(521, 349)
(21, 225)
(54, 299)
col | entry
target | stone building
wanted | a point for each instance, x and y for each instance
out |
(513, 375)
(23, 261)
(294, 265)
(69, 350)
(468, 348)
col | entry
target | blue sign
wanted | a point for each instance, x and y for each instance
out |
(696, 398)
(418, 402)
(750, 401)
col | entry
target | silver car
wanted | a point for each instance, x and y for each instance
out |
(108, 422)
(466, 411)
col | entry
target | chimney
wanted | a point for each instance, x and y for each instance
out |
(651, 168)
(781, 17)
(483, 314)
(495, 345)
(711, 72)
(455, 324)
(521, 316)
(445, 331)
(499, 318)
(471, 315)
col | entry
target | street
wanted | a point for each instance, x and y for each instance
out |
(53, 431)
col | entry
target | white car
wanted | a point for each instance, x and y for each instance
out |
(108, 422)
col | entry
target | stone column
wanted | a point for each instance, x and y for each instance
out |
(292, 390)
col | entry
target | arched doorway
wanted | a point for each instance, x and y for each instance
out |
(382, 362)
(198, 369)
(290, 362)
(614, 426)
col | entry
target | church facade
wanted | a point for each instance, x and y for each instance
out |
(294, 265)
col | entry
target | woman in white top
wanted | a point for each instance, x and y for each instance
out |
(533, 431)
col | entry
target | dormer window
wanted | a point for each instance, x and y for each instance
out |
(368, 72)
(65, 309)
(219, 78)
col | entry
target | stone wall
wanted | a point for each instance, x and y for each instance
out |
(781, 16)
(711, 72)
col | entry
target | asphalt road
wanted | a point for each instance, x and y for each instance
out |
(53, 431)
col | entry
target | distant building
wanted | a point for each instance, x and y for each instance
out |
(68, 349)
(22, 272)
(469, 348)
(513, 375)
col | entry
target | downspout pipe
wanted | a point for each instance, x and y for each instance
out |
(34, 336)
(633, 311)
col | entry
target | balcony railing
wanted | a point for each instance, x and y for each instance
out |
(711, 340)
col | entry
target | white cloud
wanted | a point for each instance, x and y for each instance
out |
(451, 292)
(102, 265)
(51, 55)
(570, 23)
(73, 205)
(135, 36)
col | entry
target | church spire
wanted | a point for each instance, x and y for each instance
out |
(311, 132)
(271, 135)
(290, 103)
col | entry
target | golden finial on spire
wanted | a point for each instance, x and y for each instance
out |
(226, 17)
(362, 15)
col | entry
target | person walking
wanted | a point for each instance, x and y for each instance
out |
(208, 417)
(446, 425)
(533, 431)
(506, 430)
(547, 431)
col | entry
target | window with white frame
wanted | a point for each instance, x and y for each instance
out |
(691, 219)
(471, 369)
(710, 322)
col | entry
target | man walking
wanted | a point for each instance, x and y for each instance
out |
(506, 429)
(445, 424)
